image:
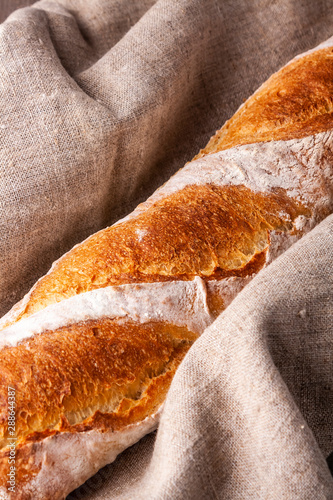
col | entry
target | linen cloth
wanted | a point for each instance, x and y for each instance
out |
(100, 102)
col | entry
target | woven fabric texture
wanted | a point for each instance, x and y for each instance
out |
(100, 102)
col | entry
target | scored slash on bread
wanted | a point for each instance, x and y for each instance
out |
(93, 347)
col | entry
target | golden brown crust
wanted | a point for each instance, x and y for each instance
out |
(295, 102)
(151, 399)
(67, 375)
(102, 375)
(208, 231)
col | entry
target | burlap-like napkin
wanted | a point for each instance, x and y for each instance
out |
(100, 102)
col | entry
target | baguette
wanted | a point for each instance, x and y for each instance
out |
(91, 350)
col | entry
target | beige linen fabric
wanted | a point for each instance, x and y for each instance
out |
(100, 102)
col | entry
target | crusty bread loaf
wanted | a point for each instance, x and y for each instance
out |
(92, 348)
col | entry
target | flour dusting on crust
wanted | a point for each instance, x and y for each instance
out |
(68, 459)
(182, 303)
